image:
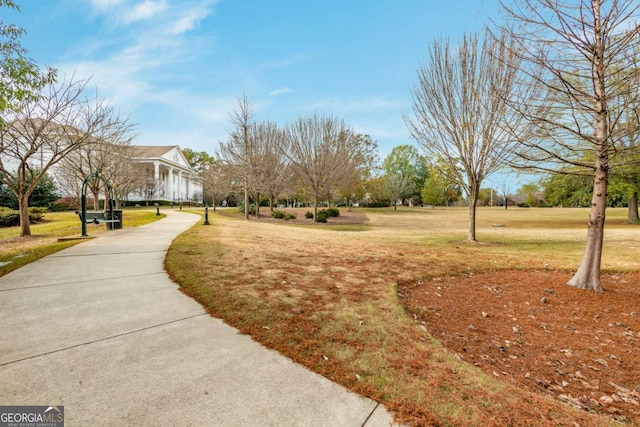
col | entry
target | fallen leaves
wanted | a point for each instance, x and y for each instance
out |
(577, 346)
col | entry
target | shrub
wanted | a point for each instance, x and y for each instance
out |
(9, 217)
(377, 204)
(283, 215)
(322, 216)
(333, 212)
(66, 204)
(36, 214)
(308, 214)
(252, 208)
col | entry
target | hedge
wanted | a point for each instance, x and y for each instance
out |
(11, 218)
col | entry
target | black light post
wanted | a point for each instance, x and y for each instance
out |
(206, 216)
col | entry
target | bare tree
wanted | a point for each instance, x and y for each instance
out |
(457, 112)
(238, 150)
(43, 130)
(216, 180)
(69, 186)
(318, 152)
(122, 172)
(360, 169)
(505, 189)
(629, 122)
(272, 172)
(111, 158)
(578, 51)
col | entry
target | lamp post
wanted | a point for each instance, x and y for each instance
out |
(206, 216)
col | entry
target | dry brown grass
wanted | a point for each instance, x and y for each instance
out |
(326, 297)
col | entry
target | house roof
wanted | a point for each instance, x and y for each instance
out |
(151, 150)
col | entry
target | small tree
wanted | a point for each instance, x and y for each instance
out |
(396, 187)
(43, 195)
(111, 158)
(359, 171)
(238, 151)
(433, 193)
(406, 162)
(319, 151)
(272, 174)
(217, 181)
(530, 193)
(21, 79)
(42, 130)
(458, 114)
(581, 53)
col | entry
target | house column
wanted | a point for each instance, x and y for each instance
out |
(157, 189)
(170, 179)
(180, 186)
(187, 181)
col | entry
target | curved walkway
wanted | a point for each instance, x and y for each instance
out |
(100, 329)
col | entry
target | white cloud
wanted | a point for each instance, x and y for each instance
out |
(137, 66)
(173, 17)
(145, 10)
(280, 91)
(190, 17)
(104, 5)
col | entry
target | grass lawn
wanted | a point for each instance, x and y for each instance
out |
(327, 297)
(16, 251)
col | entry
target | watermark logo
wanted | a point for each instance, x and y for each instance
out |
(31, 416)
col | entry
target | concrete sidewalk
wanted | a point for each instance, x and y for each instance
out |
(102, 330)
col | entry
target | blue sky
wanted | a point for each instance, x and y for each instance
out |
(177, 67)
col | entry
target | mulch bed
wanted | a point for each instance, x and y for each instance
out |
(531, 328)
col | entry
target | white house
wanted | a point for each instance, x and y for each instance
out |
(167, 173)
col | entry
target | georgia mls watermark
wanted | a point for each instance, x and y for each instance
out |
(31, 416)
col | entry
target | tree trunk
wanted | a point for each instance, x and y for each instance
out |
(315, 209)
(257, 205)
(96, 200)
(246, 203)
(588, 274)
(632, 217)
(23, 206)
(473, 201)
(471, 237)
